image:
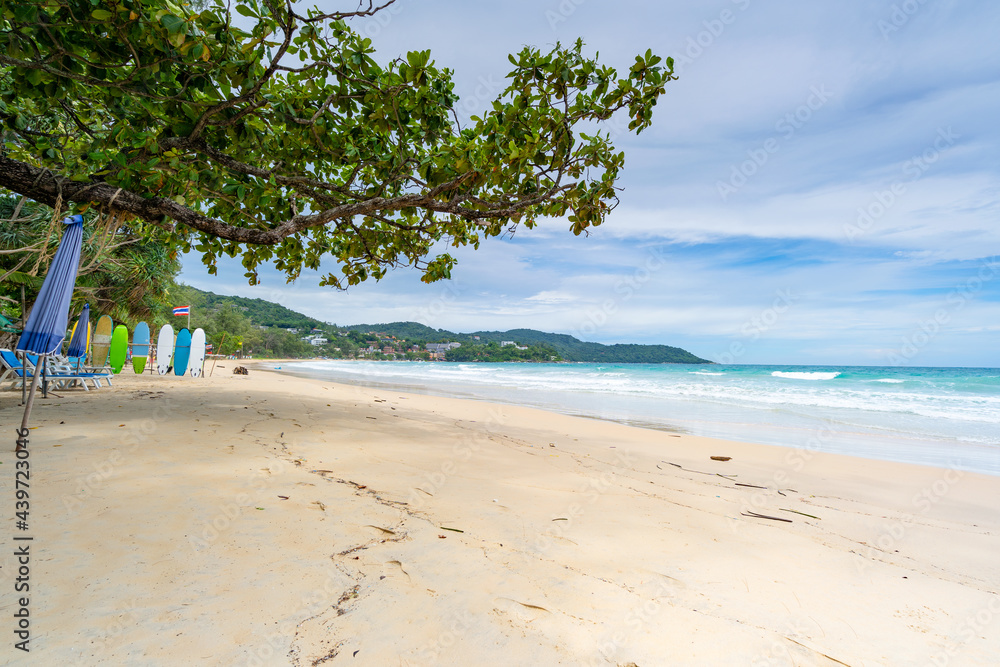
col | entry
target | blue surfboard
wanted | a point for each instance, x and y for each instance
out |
(182, 350)
(140, 347)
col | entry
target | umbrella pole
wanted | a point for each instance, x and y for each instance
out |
(24, 360)
(22, 434)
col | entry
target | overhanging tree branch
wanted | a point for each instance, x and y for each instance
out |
(289, 143)
(45, 187)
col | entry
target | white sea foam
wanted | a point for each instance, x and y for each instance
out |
(941, 404)
(796, 375)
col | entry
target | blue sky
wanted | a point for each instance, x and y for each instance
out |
(821, 186)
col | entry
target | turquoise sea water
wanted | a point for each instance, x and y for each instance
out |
(935, 416)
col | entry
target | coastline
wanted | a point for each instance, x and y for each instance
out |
(689, 407)
(273, 520)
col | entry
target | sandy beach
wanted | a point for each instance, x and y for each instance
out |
(272, 520)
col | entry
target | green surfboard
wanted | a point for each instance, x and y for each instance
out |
(119, 348)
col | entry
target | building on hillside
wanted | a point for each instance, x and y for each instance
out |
(441, 347)
(505, 343)
(475, 338)
(318, 340)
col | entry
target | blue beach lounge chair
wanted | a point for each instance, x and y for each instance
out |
(13, 368)
(59, 368)
(58, 365)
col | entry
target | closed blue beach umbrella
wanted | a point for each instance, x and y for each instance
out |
(45, 330)
(78, 344)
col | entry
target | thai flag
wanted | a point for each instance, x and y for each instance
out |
(182, 310)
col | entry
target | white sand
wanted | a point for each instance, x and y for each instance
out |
(161, 537)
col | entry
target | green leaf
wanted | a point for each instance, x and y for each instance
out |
(362, 130)
(173, 24)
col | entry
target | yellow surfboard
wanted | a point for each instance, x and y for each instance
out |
(86, 345)
(102, 341)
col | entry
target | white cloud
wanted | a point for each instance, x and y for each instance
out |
(676, 263)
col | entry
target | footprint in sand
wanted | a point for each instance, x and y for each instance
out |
(522, 611)
(398, 564)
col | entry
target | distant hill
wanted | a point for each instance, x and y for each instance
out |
(260, 312)
(569, 347)
(269, 314)
(407, 331)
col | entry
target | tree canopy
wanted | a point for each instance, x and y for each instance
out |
(278, 137)
(121, 274)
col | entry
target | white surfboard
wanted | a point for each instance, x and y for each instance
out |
(164, 349)
(197, 358)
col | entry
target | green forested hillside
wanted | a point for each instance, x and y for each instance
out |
(406, 330)
(258, 311)
(568, 347)
(495, 353)
(574, 349)
(267, 314)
